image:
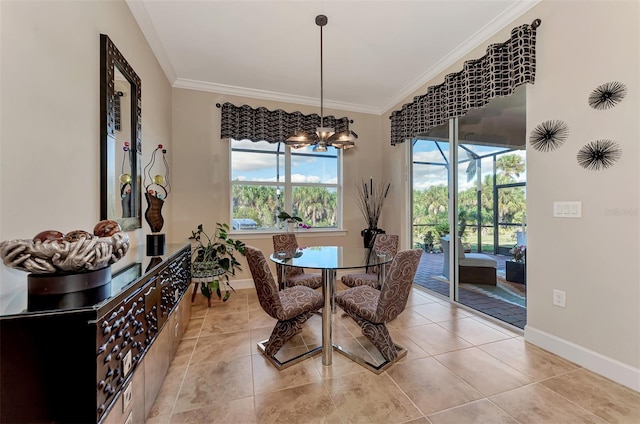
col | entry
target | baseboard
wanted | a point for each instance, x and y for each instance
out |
(243, 284)
(594, 361)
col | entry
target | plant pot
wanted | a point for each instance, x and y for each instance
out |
(516, 272)
(205, 271)
(369, 234)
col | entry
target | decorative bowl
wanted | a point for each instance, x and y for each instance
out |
(58, 256)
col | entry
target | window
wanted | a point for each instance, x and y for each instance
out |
(267, 178)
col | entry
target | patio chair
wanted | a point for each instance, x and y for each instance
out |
(291, 306)
(372, 308)
(473, 268)
(383, 243)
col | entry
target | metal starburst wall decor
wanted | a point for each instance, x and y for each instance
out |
(607, 95)
(599, 154)
(549, 135)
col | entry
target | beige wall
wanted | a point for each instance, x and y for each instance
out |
(49, 116)
(201, 187)
(595, 259)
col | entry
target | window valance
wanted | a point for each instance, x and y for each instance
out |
(505, 67)
(257, 124)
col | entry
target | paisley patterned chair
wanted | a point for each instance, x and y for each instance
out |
(291, 307)
(387, 243)
(287, 242)
(372, 308)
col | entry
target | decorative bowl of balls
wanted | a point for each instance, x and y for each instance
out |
(77, 251)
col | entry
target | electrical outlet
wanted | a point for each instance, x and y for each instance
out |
(559, 298)
(127, 397)
(129, 419)
(126, 364)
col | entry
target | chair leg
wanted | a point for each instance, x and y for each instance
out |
(379, 336)
(283, 332)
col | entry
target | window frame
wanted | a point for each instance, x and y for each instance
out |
(288, 186)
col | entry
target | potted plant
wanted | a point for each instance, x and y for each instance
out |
(214, 260)
(428, 240)
(292, 221)
(516, 267)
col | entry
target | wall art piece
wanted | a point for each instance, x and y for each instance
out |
(549, 135)
(607, 95)
(599, 154)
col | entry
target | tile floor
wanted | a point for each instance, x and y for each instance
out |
(460, 368)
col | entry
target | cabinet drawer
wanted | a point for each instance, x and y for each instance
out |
(123, 335)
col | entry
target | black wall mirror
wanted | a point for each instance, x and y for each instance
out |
(120, 138)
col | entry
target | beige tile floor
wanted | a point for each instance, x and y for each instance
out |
(460, 368)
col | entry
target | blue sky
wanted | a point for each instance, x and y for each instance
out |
(315, 169)
(262, 167)
(426, 176)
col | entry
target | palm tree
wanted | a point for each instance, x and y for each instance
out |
(511, 165)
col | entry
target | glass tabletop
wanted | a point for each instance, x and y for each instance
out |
(330, 257)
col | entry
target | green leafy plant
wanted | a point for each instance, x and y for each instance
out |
(292, 219)
(283, 216)
(442, 229)
(428, 240)
(214, 260)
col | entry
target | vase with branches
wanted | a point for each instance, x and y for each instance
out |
(370, 198)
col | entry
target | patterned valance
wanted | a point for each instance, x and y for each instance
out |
(273, 126)
(505, 66)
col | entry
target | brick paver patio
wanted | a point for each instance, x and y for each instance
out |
(431, 266)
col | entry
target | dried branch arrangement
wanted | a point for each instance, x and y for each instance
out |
(370, 199)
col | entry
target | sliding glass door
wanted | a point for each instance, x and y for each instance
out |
(471, 251)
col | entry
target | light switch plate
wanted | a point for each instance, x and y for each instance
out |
(567, 209)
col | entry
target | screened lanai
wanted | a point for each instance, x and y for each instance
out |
(491, 203)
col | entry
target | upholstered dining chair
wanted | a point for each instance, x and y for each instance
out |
(383, 243)
(291, 306)
(372, 308)
(287, 242)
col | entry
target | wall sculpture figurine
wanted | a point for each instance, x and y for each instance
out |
(599, 154)
(157, 189)
(549, 135)
(607, 95)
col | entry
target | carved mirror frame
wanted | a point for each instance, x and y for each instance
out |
(110, 58)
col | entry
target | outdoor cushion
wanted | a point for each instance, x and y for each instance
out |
(478, 260)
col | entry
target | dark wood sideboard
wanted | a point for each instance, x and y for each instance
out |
(96, 356)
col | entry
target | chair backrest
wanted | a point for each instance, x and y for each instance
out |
(397, 285)
(284, 242)
(263, 279)
(384, 243)
(287, 242)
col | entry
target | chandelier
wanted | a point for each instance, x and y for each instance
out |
(324, 136)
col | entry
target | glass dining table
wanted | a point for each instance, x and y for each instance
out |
(329, 259)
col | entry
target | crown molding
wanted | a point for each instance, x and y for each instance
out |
(477, 39)
(140, 14)
(498, 23)
(270, 95)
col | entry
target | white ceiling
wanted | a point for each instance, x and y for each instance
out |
(375, 52)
